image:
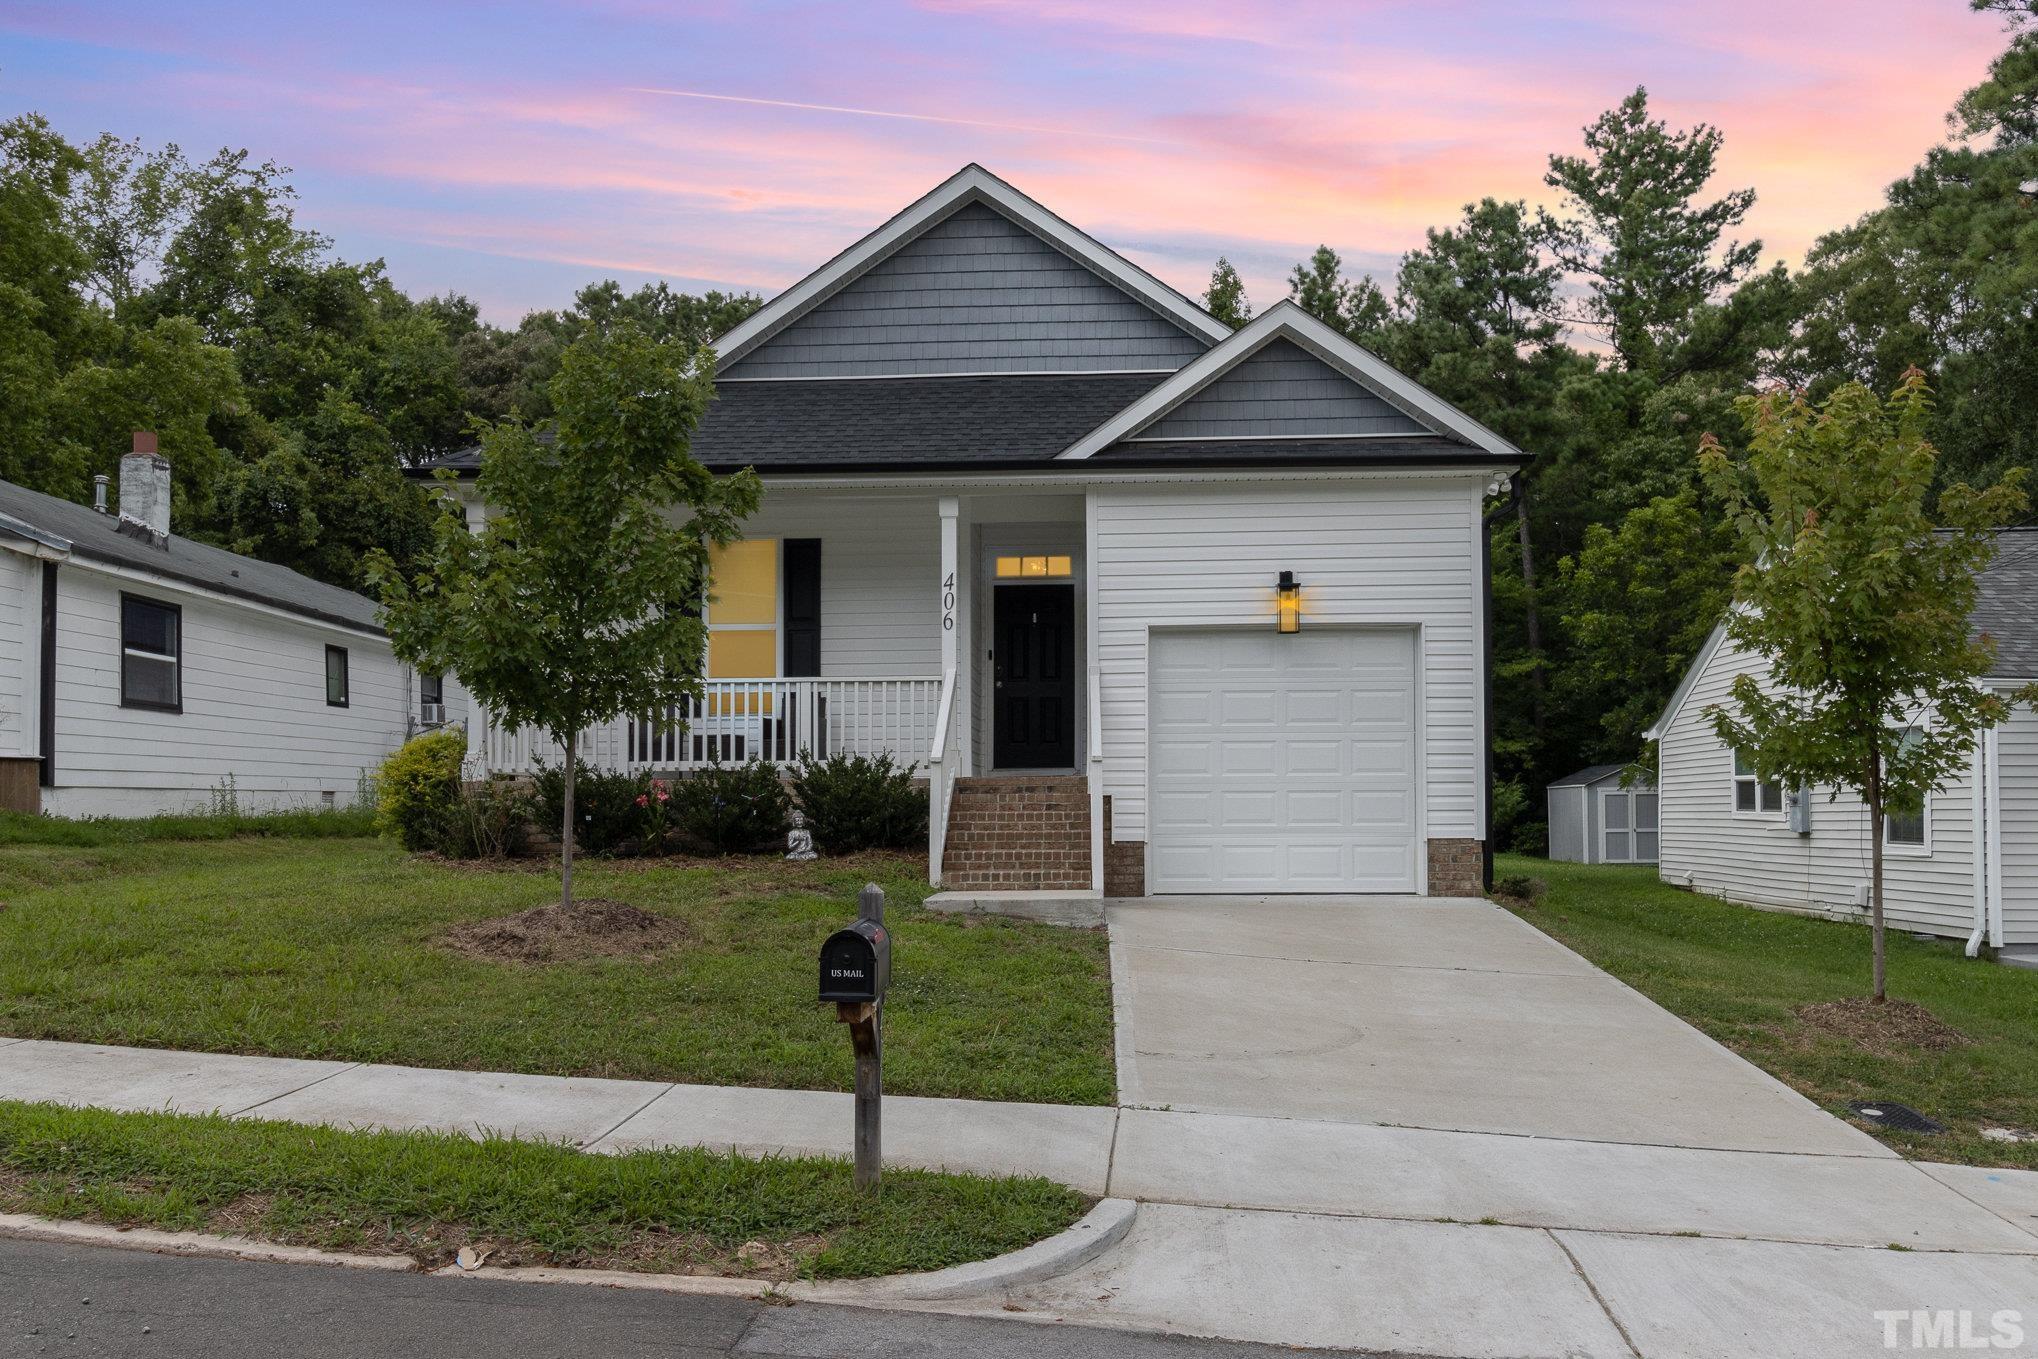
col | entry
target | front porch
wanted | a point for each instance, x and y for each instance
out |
(825, 638)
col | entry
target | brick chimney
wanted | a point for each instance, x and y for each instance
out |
(145, 491)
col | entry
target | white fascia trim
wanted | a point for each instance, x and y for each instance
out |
(21, 536)
(1251, 438)
(171, 585)
(1064, 481)
(1286, 320)
(1685, 685)
(972, 183)
(972, 373)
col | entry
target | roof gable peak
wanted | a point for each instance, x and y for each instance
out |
(971, 184)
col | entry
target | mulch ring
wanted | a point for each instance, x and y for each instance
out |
(1894, 1027)
(594, 928)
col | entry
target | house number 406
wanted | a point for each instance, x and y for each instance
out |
(948, 603)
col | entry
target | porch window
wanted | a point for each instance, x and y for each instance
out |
(1035, 568)
(742, 613)
(1752, 792)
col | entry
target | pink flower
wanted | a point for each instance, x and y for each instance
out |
(664, 796)
(643, 801)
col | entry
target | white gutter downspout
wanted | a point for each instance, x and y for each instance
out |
(1978, 776)
(1995, 837)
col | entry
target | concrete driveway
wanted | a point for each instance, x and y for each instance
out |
(1424, 1013)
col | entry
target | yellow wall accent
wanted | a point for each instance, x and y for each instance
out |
(743, 582)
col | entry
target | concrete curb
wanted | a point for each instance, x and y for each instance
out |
(1100, 1229)
(24, 1227)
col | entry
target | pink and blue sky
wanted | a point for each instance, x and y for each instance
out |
(515, 151)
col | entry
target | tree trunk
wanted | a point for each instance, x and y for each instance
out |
(1531, 617)
(1875, 819)
(566, 831)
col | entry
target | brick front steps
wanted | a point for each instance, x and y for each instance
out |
(1018, 833)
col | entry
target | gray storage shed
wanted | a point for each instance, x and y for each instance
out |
(1595, 820)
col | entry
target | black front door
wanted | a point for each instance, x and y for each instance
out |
(1034, 716)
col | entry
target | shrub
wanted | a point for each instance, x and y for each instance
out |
(855, 802)
(419, 788)
(1519, 887)
(606, 814)
(731, 809)
(489, 820)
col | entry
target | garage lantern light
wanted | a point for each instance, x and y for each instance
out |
(1288, 604)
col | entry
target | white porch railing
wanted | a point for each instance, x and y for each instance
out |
(943, 764)
(773, 720)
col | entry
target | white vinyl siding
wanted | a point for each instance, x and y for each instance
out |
(20, 627)
(1367, 552)
(1759, 860)
(2017, 777)
(254, 706)
(879, 558)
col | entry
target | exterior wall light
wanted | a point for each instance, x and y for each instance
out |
(1288, 604)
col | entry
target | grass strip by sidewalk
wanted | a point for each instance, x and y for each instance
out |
(425, 1195)
(1742, 975)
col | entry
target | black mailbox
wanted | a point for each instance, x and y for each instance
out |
(856, 963)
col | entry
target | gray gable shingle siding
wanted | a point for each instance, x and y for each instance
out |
(1282, 390)
(974, 293)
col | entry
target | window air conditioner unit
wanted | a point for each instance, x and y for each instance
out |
(432, 714)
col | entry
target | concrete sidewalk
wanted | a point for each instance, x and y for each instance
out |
(1159, 1156)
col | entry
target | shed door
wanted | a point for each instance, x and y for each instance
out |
(1628, 825)
(1283, 764)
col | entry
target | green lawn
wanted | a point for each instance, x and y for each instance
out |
(528, 1203)
(327, 948)
(1740, 974)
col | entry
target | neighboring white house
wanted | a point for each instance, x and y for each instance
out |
(1031, 520)
(141, 672)
(1601, 815)
(1967, 868)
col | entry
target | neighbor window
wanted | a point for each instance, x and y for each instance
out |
(1020, 568)
(151, 654)
(1752, 792)
(432, 697)
(1905, 831)
(336, 677)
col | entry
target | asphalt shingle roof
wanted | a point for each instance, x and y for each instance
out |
(2008, 607)
(1008, 420)
(95, 535)
(1590, 774)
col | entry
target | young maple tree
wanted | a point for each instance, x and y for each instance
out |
(1859, 601)
(569, 606)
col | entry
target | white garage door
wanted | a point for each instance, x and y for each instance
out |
(1283, 764)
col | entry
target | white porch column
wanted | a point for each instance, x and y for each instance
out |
(951, 582)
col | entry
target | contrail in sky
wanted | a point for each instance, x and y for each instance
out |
(908, 117)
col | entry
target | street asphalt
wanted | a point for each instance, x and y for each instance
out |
(94, 1302)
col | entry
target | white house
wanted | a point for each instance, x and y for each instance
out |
(1603, 814)
(1967, 868)
(141, 672)
(1033, 522)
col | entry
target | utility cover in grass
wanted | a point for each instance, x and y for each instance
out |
(594, 928)
(1889, 1114)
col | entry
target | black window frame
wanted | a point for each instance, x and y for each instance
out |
(175, 655)
(346, 691)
